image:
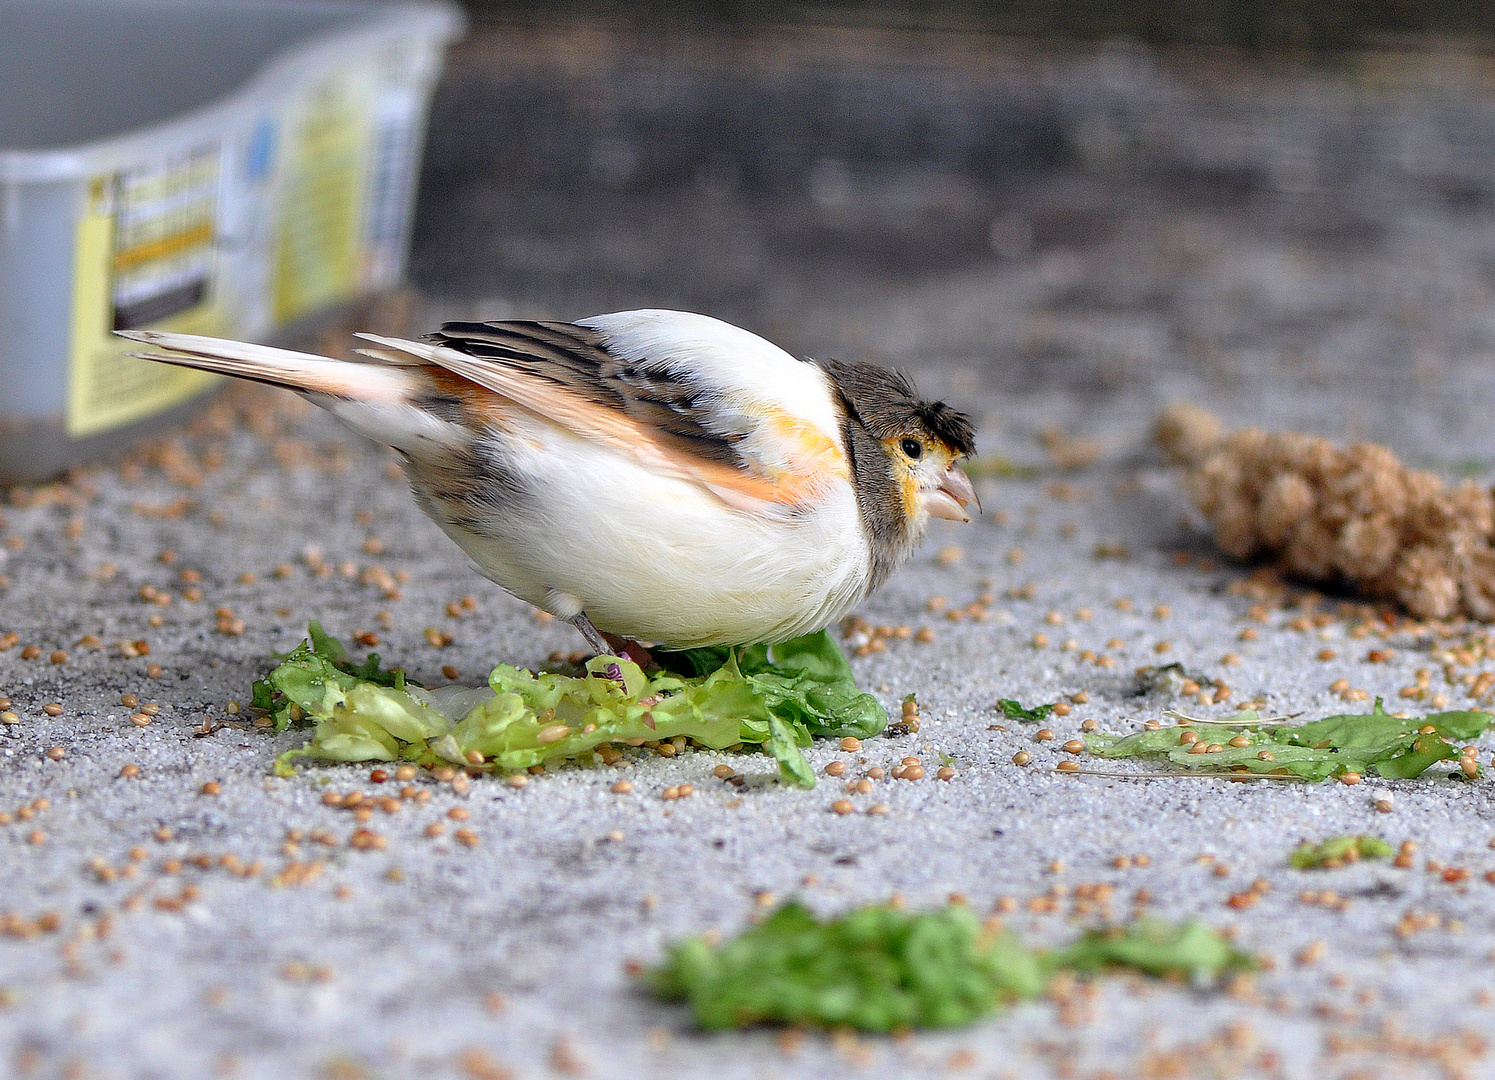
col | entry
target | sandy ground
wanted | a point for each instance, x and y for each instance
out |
(200, 917)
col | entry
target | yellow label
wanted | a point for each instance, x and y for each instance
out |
(143, 255)
(318, 245)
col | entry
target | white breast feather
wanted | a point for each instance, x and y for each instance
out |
(660, 558)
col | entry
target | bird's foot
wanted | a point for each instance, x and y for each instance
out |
(594, 636)
(604, 644)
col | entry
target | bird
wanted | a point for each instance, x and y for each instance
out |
(658, 476)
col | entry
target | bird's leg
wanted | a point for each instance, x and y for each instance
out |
(594, 636)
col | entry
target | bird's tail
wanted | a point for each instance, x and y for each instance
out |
(370, 383)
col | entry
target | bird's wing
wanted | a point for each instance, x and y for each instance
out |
(663, 413)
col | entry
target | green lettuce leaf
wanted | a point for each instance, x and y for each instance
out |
(1155, 948)
(777, 697)
(1336, 851)
(1374, 743)
(1014, 710)
(877, 969)
(881, 969)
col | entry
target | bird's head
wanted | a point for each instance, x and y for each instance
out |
(914, 473)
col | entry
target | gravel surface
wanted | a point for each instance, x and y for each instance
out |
(171, 910)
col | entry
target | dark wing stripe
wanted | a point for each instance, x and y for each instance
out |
(575, 358)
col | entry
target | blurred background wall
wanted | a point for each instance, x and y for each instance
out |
(1088, 208)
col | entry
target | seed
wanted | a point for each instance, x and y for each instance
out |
(58, 656)
(1349, 779)
(1162, 646)
(517, 780)
(1043, 735)
(57, 753)
(129, 772)
(1339, 686)
(1074, 746)
(945, 773)
(405, 772)
(8, 717)
(1266, 755)
(1068, 766)
(31, 652)
(1239, 741)
(924, 635)
(913, 772)
(466, 837)
(52, 708)
(1040, 640)
(436, 828)
(552, 733)
(457, 813)
(1022, 757)
(724, 772)
(851, 744)
(835, 768)
(1061, 708)
(878, 808)
(1089, 725)
(1200, 747)
(1053, 618)
(861, 787)
(1385, 802)
(211, 788)
(1187, 737)
(842, 806)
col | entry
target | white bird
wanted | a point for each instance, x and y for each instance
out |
(659, 475)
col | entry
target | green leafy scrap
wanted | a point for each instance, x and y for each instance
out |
(880, 969)
(1338, 851)
(1014, 710)
(877, 968)
(776, 697)
(1374, 743)
(1191, 951)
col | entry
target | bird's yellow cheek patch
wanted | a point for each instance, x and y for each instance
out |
(908, 482)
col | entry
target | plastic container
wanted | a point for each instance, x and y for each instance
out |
(227, 167)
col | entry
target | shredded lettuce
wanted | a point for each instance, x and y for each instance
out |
(1376, 743)
(879, 968)
(776, 697)
(1337, 851)
(1014, 710)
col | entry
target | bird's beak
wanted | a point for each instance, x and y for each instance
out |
(950, 499)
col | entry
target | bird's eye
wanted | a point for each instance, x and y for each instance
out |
(911, 448)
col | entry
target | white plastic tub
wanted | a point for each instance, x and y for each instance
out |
(213, 166)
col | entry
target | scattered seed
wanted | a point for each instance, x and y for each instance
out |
(851, 744)
(1022, 757)
(842, 806)
(211, 788)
